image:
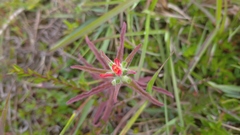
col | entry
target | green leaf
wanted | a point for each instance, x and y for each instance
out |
(151, 82)
(225, 88)
(229, 90)
(17, 68)
(30, 72)
(236, 66)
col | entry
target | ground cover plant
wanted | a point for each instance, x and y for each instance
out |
(188, 50)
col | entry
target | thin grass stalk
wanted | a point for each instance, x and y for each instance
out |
(224, 17)
(144, 48)
(68, 124)
(133, 119)
(146, 36)
(174, 81)
(84, 114)
(163, 57)
(166, 114)
(218, 12)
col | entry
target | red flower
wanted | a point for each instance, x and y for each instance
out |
(118, 73)
(116, 68)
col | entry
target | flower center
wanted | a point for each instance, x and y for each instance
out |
(117, 69)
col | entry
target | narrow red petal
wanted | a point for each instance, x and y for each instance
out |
(117, 61)
(117, 70)
(106, 75)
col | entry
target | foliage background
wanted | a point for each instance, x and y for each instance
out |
(41, 39)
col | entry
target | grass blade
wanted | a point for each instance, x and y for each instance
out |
(151, 82)
(170, 123)
(218, 11)
(174, 81)
(144, 48)
(93, 25)
(84, 114)
(145, 44)
(229, 90)
(133, 119)
(68, 124)
(84, 108)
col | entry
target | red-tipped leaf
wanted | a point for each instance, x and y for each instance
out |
(131, 72)
(84, 61)
(160, 90)
(139, 89)
(89, 69)
(94, 75)
(115, 93)
(109, 106)
(93, 91)
(104, 110)
(131, 55)
(121, 47)
(99, 113)
(145, 79)
(105, 57)
(97, 54)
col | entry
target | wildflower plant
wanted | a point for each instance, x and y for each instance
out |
(113, 76)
